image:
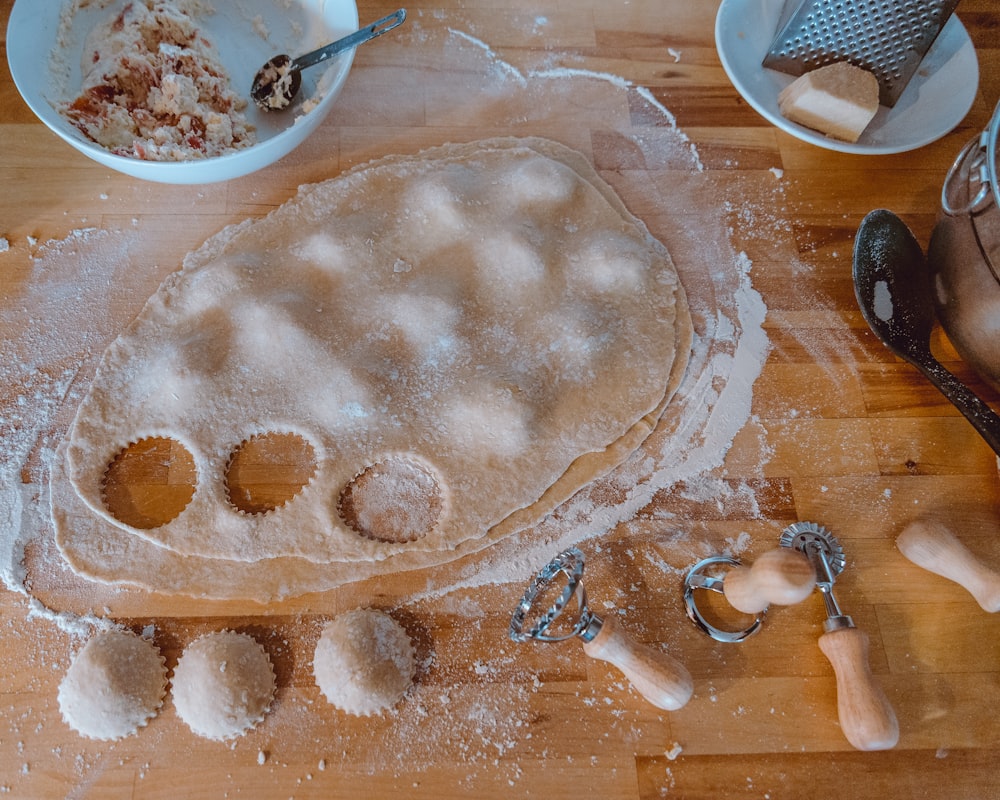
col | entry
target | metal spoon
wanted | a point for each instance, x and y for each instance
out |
(278, 81)
(892, 284)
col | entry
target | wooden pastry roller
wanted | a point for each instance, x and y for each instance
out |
(662, 680)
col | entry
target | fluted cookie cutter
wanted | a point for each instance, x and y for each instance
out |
(780, 576)
(661, 679)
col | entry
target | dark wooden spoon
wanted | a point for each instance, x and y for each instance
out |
(892, 284)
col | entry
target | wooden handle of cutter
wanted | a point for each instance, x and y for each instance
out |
(866, 718)
(783, 576)
(931, 545)
(662, 680)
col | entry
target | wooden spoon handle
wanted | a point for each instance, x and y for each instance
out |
(662, 680)
(866, 718)
(981, 416)
(783, 576)
(930, 545)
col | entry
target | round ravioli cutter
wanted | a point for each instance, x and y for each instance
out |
(661, 679)
(779, 576)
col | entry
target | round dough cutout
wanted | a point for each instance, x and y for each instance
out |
(364, 662)
(114, 686)
(395, 500)
(223, 685)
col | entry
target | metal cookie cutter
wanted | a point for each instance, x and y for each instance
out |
(779, 576)
(698, 578)
(662, 680)
(568, 565)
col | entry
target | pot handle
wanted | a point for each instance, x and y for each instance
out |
(989, 186)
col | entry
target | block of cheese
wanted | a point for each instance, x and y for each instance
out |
(838, 100)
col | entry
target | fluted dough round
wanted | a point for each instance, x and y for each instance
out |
(114, 686)
(223, 685)
(364, 662)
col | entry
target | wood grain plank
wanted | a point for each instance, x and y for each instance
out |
(841, 432)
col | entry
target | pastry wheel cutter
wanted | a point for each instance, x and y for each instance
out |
(662, 680)
(889, 38)
(866, 718)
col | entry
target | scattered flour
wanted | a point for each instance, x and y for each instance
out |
(58, 324)
(65, 324)
(502, 66)
(567, 73)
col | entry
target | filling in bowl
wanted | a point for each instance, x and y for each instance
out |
(154, 88)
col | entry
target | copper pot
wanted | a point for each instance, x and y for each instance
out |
(964, 254)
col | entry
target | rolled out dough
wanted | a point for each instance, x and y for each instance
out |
(489, 311)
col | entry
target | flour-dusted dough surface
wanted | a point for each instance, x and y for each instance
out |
(114, 686)
(364, 662)
(223, 685)
(591, 427)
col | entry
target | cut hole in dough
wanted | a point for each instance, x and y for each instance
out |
(364, 662)
(114, 686)
(223, 685)
(149, 483)
(395, 500)
(268, 470)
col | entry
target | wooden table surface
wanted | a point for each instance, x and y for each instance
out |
(837, 431)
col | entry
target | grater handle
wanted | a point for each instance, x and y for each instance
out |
(661, 679)
(782, 576)
(866, 718)
(930, 545)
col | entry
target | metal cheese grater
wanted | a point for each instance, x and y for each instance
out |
(889, 38)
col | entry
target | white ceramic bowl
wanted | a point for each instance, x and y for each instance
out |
(935, 100)
(46, 71)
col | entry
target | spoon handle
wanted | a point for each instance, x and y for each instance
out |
(982, 417)
(365, 34)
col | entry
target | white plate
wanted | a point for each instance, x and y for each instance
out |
(46, 70)
(935, 100)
